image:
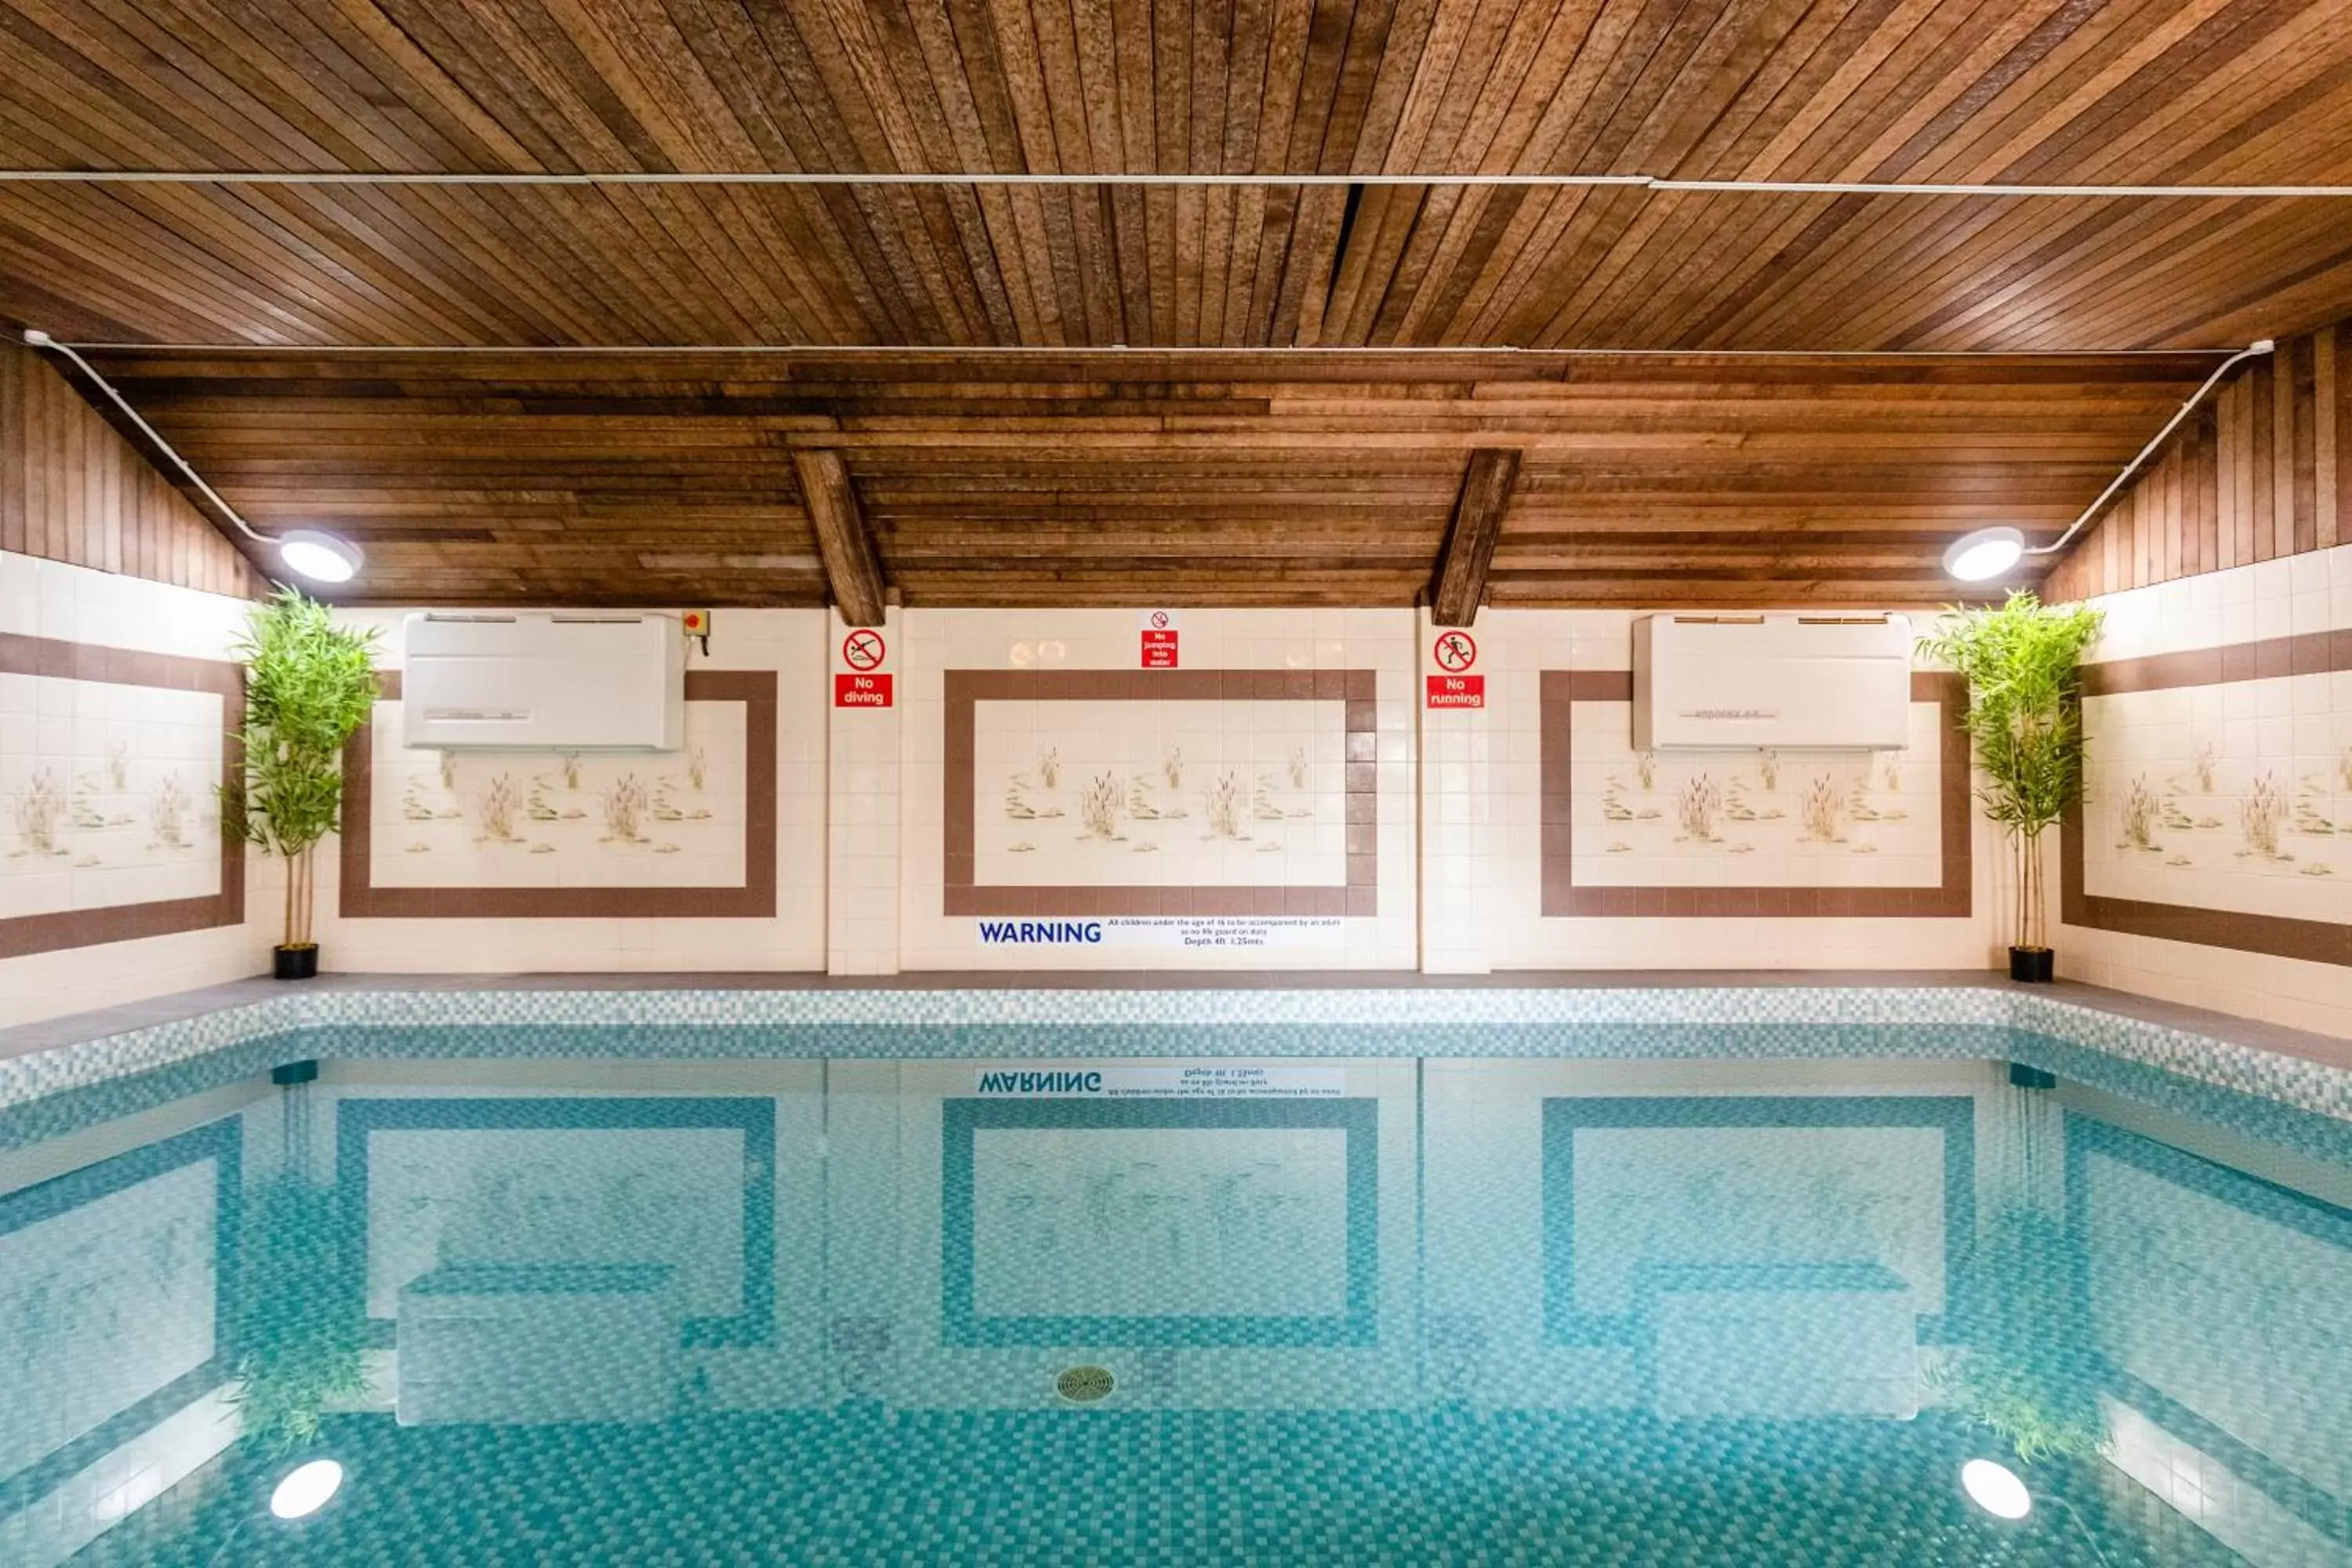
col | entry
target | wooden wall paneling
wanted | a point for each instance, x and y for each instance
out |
(2329, 502)
(73, 489)
(2257, 475)
(2180, 497)
(2243, 401)
(2228, 425)
(2262, 534)
(2303, 365)
(2282, 449)
(2201, 551)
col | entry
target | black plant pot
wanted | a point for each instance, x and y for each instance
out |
(2037, 965)
(296, 962)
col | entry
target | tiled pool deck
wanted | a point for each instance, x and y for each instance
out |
(1555, 1013)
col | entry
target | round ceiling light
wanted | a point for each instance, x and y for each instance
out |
(306, 1489)
(1984, 554)
(319, 556)
(1995, 1490)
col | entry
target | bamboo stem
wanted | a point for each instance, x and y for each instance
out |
(310, 894)
(2017, 889)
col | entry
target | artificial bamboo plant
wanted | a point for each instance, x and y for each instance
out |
(309, 683)
(2022, 661)
(2027, 1368)
(301, 1328)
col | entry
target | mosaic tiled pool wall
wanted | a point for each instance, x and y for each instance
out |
(1726, 1022)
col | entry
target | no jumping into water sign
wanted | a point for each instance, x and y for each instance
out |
(1160, 642)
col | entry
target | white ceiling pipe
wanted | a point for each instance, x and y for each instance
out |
(1056, 177)
(40, 340)
(1140, 350)
(2254, 350)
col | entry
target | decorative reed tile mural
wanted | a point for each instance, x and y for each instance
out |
(1177, 793)
(2232, 797)
(110, 824)
(528, 835)
(2218, 798)
(1748, 831)
(541, 819)
(1223, 795)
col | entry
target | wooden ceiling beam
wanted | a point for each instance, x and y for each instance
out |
(853, 571)
(1461, 582)
(544, 479)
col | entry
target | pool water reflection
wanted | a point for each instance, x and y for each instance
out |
(1393, 1311)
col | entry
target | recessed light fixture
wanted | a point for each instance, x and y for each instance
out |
(1995, 1489)
(1984, 554)
(320, 556)
(306, 1489)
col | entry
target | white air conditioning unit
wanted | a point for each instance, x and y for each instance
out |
(575, 681)
(1824, 682)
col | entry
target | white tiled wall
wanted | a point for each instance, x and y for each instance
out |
(1459, 867)
(789, 642)
(935, 641)
(867, 769)
(2296, 728)
(1516, 646)
(1459, 831)
(76, 604)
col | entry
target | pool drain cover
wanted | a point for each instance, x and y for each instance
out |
(1085, 1384)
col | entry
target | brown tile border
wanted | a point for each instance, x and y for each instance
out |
(756, 900)
(1563, 898)
(1359, 896)
(2312, 653)
(2315, 941)
(24, 934)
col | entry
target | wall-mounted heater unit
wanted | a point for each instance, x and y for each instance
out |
(1795, 681)
(551, 681)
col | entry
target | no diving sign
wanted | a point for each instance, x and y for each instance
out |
(863, 685)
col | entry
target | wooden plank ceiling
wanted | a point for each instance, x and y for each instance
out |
(1061, 476)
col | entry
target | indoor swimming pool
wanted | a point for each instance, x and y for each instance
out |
(1668, 1293)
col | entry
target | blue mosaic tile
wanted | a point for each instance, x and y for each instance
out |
(1729, 1021)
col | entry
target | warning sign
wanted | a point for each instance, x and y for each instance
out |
(1457, 692)
(861, 691)
(1159, 649)
(1455, 652)
(863, 649)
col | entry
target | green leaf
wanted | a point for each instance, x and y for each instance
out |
(2022, 661)
(299, 1328)
(309, 684)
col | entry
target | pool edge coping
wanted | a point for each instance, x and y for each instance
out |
(2276, 1074)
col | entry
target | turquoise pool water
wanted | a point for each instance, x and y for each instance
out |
(1679, 1294)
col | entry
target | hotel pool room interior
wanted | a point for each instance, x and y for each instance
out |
(1241, 784)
